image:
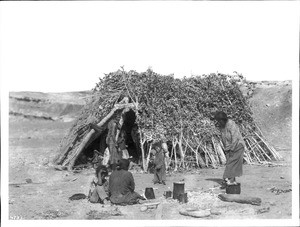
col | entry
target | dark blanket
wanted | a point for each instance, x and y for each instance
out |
(121, 188)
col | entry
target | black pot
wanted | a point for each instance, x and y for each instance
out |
(178, 188)
(168, 194)
(149, 193)
(233, 189)
(182, 198)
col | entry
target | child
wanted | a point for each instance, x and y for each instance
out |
(99, 186)
(159, 164)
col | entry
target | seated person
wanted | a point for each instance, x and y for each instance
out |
(99, 187)
(121, 185)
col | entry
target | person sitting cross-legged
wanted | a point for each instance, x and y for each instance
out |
(121, 185)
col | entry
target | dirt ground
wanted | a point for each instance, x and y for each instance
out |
(272, 110)
(33, 143)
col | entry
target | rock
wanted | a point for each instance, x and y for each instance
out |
(159, 212)
(28, 181)
(263, 210)
(45, 161)
(151, 205)
(143, 208)
(240, 199)
(116, 212)
(60, 168)
(77, 196)
(196, 213)
(215, 212)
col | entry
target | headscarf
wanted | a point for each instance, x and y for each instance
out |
(123, 164)
(220, 115)
(157, 146)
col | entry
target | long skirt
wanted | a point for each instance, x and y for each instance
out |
(159, 175)
(114, 155)
(234, 163)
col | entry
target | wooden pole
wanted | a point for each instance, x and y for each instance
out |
(123, 101)
(209, 155)
(142, 150)
(219, 151)
(148, 158)
(179, 142)
(257, 148)
(248, 159)
(196, 154)
(263, 152)
(272, 150)
(175, 156)
(66, 150)
(201, 161)
(195, 151)
(102, 124)
(253, 152)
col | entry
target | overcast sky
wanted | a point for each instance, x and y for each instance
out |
(66, 46)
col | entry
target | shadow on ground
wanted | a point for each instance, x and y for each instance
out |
(217, 180)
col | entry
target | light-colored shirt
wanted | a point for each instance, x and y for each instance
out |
(231, 136)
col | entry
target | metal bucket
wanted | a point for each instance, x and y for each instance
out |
(178, 188)
(168, 194)
(233, 189)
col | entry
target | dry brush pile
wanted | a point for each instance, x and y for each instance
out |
(178, 111)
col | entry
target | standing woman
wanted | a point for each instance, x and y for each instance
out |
(112, 144)
(114, 155)
(234, 147)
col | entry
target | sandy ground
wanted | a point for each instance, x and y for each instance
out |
(32, 143)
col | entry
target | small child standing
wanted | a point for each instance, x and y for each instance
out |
(159, 164)
(98, 192)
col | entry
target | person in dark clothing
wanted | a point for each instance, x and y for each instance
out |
(112, 144)
(159, 164)
(99, 187)
(234, 147)
(122, 145)
(121, 185)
